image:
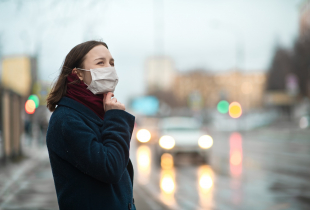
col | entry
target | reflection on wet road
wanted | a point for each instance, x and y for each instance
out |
(253, 170)
(235, 158)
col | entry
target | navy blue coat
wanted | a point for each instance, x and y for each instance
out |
(90, 157)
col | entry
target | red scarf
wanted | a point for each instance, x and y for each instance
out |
(79, 93)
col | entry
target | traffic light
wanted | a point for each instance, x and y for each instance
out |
(31, 104)
(30, 107)
(223, 107)
(35, 99)
(235, 110)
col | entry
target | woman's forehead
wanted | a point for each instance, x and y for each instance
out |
(99, 51)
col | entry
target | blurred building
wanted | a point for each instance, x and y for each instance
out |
(41, 89)
(17, 78)
(199, 89)
(245, 88)
(159, 74)
(304, 21)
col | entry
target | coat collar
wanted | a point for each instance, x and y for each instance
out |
(68, 102)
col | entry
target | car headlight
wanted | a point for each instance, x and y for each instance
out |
(205, 142)
(166, 142)
(143, 135)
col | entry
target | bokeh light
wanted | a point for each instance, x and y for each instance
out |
(143, 135)
(223, 107)
(167, 161)
(35, 99)
(236, 154)
(166, 142)
(167, 184)
(205, 142)
(144, 159)
(235, 110)
(205, 186)
(144, 164)
(236, 158)
(30, 106)
(205, 181)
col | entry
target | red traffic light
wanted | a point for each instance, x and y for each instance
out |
(30, 107)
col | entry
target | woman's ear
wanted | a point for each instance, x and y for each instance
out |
(78, 73)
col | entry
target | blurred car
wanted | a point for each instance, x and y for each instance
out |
(182, 134)
(146, 130)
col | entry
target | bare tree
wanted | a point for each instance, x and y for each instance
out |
(301, 63)
(280, 67)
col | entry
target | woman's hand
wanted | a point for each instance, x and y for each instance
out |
(109, 103)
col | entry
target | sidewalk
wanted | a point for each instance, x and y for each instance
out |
(21, 186)
(29, 185)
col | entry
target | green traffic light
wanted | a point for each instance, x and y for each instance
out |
(223, 107)
(35, 99)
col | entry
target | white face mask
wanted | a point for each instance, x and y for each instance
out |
(103, 80)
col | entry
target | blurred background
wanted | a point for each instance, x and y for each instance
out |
(220, 91)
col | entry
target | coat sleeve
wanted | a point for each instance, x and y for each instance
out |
(104, 159)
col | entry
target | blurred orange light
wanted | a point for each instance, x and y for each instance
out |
(235, 110)
(236, 158)
(143, 164)
(144, 159)
(30, 107)
(167, 185)
(205, 185)
(205, 182)
(167, 161)
(167, 182)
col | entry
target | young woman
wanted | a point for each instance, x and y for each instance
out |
(88, 137)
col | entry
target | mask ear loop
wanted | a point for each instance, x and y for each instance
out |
(82, 69)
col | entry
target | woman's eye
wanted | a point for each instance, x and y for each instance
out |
(101, 62)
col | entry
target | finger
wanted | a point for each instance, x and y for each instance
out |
(114, 100)
(108, 97)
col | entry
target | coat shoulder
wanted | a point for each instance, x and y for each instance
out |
(60, 118)
(64, 114)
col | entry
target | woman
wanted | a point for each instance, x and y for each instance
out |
(88, 137)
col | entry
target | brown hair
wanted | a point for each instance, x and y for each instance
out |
(75, 58)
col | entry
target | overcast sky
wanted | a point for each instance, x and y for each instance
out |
(196, 34)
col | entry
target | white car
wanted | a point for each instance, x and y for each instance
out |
(182, 134)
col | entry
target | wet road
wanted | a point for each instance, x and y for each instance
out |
(261, 169)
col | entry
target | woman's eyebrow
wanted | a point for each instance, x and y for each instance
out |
(99, 59)
(112, 59)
